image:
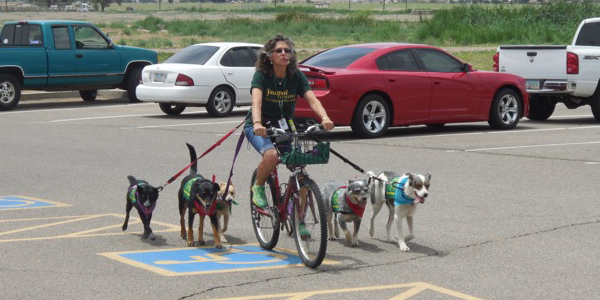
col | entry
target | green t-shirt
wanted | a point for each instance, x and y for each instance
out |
(279, 96)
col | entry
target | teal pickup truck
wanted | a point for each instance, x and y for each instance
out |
(65, 56)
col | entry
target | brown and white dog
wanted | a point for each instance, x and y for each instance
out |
(224, 207)
(198, 195)
(344, 204)
(401, 194)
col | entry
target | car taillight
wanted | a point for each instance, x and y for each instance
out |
(184, 80)
(496, 65)
(318, 83)
(572, 63)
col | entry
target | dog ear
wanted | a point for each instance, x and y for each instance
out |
(132, 180)
(216, 187)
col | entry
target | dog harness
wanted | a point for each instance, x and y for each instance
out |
(400, 197)
(187, 191)
(133, 195)
(357, 209)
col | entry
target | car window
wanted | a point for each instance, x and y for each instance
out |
(436, 61)
(337, 58)
(62, 40)
(238, 57)
(589, 35)
(88, 38)
(398, 61)
(197, 55)
(21, 34)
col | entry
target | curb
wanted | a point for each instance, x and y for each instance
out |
(41, 95)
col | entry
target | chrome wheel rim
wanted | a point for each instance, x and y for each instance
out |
(7, 92)
(374, 117)
(222, 101)
(509, 109)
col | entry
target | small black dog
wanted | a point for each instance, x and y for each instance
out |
(199, 195)
(143, 196)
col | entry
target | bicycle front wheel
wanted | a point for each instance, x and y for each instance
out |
(310, 224)
(266, 227)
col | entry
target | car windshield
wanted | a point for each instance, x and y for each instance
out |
(197, 55)
(337, 58)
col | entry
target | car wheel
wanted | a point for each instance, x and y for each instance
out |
(506, 110)
(372, 117)
(595, 104)
(133, 80)
(171, 110)
(10, 92)
(220, 103)
(88, 95)
(541, 109)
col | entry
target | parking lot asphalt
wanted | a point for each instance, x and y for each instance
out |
(511, 214)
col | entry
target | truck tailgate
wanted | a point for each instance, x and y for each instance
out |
(534, 62)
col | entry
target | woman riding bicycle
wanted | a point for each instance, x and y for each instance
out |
(276, 85)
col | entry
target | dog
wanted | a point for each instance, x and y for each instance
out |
(345, 204)
(198, 195)
(401, 194)
(143, 197)
(224, 207)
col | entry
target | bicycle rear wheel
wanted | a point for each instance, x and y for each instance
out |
(311, 214)
(266, 227)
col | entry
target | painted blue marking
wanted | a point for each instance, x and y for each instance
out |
(212, 259)
(11, 202)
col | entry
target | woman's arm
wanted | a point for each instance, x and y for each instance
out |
(316, 106)
(259, 129)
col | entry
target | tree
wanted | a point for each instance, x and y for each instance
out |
(105, 3)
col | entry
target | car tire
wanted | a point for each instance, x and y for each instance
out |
(10, 92)
(541, 109)
(171, 110)
(220, 103)
(372, 117)
(506, 110)
(88, 95)
(595, 104)
(133, 80)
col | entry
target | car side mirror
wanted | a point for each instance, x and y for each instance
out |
(111, 45)
(467, 67)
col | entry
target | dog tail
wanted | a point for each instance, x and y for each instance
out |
(132, 180)
(193, 159)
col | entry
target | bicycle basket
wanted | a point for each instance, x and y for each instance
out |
(309, 153)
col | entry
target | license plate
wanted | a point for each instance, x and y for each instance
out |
(533, 84)
(159, 77)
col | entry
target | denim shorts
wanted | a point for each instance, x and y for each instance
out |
(262, 144)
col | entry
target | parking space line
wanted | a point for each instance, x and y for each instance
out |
(64, 109)
(531, 146)
(414, 289)
(24, 202)
(82, 233)
(184, 124)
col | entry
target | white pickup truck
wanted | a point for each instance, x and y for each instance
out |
(569, 74)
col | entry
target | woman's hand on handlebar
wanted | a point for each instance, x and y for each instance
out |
(260, 130)
(327, 124)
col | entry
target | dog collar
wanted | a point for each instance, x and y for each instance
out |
(357, 209)
(133, 196)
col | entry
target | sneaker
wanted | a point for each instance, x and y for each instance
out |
(304, 233)
(259, 198)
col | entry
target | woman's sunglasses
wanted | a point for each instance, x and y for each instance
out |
(281, 50)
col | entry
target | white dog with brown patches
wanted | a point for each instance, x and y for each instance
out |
(401, 194)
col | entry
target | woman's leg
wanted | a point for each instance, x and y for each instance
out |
(266, 166)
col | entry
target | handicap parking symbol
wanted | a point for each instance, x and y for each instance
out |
(204, 260)
(22, 202)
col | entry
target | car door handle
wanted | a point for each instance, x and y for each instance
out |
(436, 82)
(391, 80)
(79, 55)
(230, 73)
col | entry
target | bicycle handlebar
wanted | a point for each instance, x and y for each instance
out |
(274, 131)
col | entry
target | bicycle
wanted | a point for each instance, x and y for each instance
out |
(299, 202)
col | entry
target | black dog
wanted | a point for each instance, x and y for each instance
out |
(143, 196)
(198, 194)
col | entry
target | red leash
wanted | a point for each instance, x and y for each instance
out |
(218, 143)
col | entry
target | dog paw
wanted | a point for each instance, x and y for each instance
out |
(219, 246)
(151, 236)
(355, 244)
(191, 244)
(331, 238)
(409, 237)
(201, 243)
(124, 227)
(403, 247)
(371, 231)
(223, 239)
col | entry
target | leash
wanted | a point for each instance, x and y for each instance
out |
(218, 143)
(357, 168)
(237, 151)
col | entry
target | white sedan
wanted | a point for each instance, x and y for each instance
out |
(214, 75)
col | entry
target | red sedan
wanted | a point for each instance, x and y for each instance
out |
(374, 86)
